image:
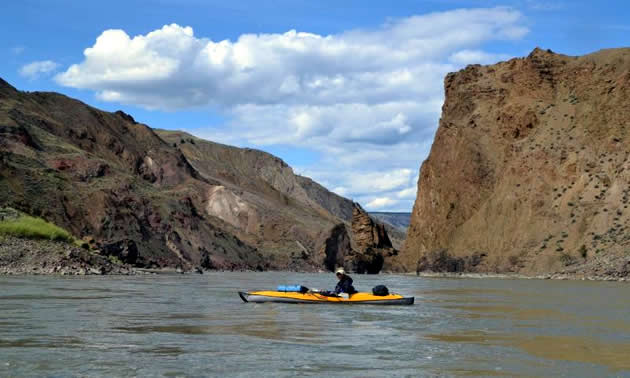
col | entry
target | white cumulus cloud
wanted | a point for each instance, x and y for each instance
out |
(379, 203)
(36, 69)
(366, 100)
(172, 68)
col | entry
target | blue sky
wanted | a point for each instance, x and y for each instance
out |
(346, 92)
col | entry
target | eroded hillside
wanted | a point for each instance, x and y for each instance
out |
(156, 198)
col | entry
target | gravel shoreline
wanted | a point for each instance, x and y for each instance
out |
(45, 257)
(511, 276)
(26, 256)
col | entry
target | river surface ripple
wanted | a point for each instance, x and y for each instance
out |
(196, 325)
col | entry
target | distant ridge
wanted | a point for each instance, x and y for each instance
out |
(396, 219)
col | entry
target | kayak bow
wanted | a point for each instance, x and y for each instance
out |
(313, 297)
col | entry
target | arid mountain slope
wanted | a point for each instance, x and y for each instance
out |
(529, 170)
(259, 198)
(250, 169)
(158, 198)
(102, 176)
(279, 210)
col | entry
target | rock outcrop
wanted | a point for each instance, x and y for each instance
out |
(367, 233)
(363, 246)
(374, 249)
(529, 171)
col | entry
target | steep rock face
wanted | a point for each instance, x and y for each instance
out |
(372, 244)
(366, 232)
(529, 169)
(363, 246)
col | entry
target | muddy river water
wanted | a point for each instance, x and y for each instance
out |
(196, 325)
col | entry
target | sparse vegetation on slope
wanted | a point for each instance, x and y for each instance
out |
(530, 168)
(24, 226)
(155, 198)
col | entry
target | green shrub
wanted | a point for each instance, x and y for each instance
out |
(583, 251)
(33, 228)
(114, 260)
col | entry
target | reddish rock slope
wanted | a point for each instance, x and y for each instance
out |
(155, 198)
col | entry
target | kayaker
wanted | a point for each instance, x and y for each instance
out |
(345, 283)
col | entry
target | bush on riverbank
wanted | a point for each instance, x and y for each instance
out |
(29, 227)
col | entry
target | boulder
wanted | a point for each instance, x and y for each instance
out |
(125, 250)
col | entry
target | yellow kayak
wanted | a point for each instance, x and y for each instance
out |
(314, 297)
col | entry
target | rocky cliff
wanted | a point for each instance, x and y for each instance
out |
(529, 170)
(367, 233)
(155, 198)
(363, 246)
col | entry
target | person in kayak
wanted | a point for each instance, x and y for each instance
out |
(345, 283)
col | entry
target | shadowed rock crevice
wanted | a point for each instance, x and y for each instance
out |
(336, 247)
